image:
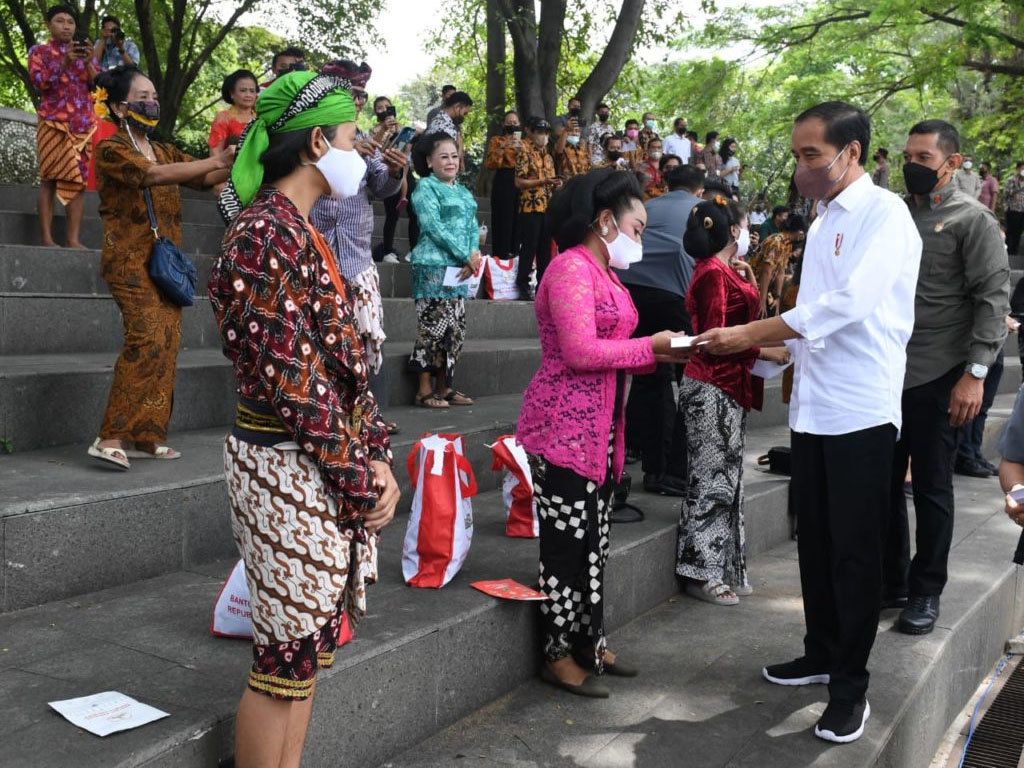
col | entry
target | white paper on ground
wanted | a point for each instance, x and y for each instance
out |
(682, 342)
(766, 369)
(107, 712)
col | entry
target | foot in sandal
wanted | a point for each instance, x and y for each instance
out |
(713, 591)
(455, 397)
(152, 451)
(431, 400)
(110, 453)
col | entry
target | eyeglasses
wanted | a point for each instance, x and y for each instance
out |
(359, 95)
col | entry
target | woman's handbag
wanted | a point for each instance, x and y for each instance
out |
(171, 270)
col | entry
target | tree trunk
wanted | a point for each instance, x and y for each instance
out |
(496, 62)
(549, 53)
(614, 58)
(522, 26)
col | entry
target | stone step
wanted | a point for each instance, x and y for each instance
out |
(38, 270)
(48, 400)
(71, 525)
(420, 661)
(42, 324)
(700, 692)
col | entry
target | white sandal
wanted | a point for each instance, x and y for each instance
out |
(713, 592)
(110, 455)
(161, 452)
(744, 590)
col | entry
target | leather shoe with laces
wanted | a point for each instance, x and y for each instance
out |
(971, 468)
(920, 615)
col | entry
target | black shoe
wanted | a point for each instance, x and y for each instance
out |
(657, 484)
(843, 721)
(971, 468)
(893, 601)
(632, 456)
(675, 481)
(920, 615)
(992, 468)
(797, 672)
(525, 292)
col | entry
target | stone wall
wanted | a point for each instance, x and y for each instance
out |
(18, 163)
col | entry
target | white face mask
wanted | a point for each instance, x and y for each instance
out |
(743, 243)
(622, 251)
(573, 140)
(968, 165)
(344, 170)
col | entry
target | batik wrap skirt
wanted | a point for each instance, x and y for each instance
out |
(303, 564)
(441, 334)
(64, 157)
(369, 311)
(575, 522)
(711, 543)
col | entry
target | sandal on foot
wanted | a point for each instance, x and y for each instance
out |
(431, 401)
(391, 427)
(458, 398)
(744, 590)
(111, 455)
(160, 452)
(713, 592)
(590, 688)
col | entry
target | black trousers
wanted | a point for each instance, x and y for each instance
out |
(534, 244)
(972, 434)
(391, 215)
(504, 213)
(654, 423)
(928, 443)
(1014, 229)
(840, 492)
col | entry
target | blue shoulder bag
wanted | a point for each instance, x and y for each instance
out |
(172, 271)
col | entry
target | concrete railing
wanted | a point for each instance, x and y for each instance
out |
(18, 163)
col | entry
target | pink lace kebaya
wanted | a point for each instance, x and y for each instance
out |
(585, 317)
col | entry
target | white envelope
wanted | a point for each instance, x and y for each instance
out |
(766, 369)
(683, 342)
(107, 712)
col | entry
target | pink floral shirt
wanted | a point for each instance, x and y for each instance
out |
(63, 89)
(585, 317)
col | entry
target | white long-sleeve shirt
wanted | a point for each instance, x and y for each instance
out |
(677, 145)
(854, 312)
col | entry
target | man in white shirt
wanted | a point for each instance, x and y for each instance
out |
(678, 144)
(848, 335)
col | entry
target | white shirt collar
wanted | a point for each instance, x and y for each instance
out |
(850, 197)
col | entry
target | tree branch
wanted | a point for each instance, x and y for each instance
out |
(1015, 70)
(549, 51)
(1016, 42)
(614, 57)
(143, 11)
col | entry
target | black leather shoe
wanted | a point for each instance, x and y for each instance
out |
(656, 484)
(992, 468)
(675, 481)
(971, 468)
(920, 615)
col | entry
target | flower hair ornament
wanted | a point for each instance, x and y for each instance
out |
(100, 107)
(721, 201)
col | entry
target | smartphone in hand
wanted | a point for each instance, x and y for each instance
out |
(401, 142)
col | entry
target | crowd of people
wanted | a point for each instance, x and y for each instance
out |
(646, 263)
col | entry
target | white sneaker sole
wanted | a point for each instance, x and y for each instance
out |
(829, 736)
(809, 680)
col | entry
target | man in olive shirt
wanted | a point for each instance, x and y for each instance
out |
(961, 304)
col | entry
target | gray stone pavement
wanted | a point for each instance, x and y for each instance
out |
(701, 701)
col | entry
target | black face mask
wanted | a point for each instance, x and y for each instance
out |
(920, 179)
(681, 130)
(613, 155)
(603, 116)
(575, 112)
(510, 129)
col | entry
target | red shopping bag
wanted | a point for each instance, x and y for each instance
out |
(521, 519)
(440, 528)
(500, 279)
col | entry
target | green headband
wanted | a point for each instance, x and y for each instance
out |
(293, 102)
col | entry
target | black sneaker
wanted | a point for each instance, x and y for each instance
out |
(797, 672)
(843, 721)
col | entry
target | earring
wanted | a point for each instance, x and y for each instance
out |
(604, 230)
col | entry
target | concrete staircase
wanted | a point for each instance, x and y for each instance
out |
(108, 579)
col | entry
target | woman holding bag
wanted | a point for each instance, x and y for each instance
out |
(141, 395)
(571, 421)
(308, 461)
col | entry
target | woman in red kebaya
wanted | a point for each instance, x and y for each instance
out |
(715, 395)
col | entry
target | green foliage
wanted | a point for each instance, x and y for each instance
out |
(7, 444)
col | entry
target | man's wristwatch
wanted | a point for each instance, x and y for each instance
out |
(977, 370)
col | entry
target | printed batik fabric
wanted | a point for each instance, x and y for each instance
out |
(302, 565)
(711, 543)
(575, 524)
